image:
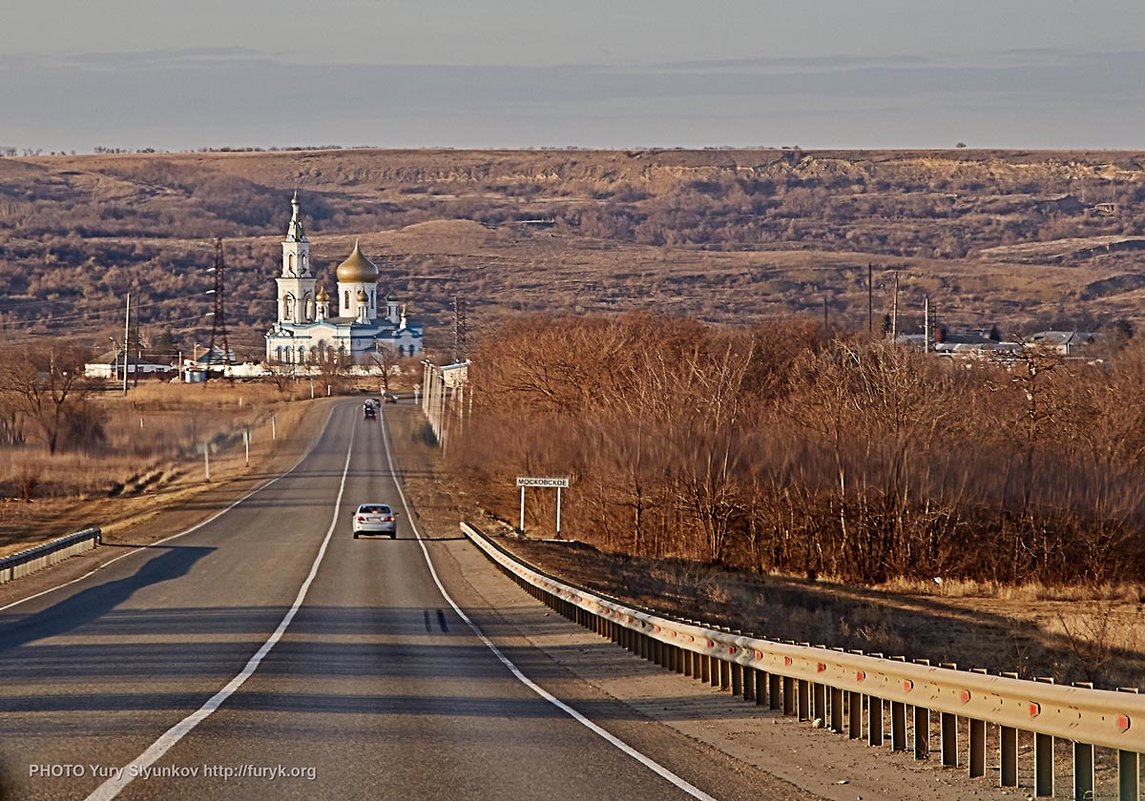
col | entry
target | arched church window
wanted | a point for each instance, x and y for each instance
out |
(346, 303)
(290, 262)
(287, 307)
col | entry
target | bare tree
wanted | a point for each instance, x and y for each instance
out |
(44, 381)
(387, 361)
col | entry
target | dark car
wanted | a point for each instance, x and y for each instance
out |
(370, 409)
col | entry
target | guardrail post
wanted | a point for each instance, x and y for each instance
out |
(1128, 769)
(855, 703)
(898, 726)
(1008, 751)
(819, 702)
(737, 678)
(976, 735)
(1043, 758)
(1083, 765)
(836, 709)
(948, 731)
(874, 720)
(788, 696)
(804, 688)
(705, 668)
(898, 720)
(921, 732)
(855, 715)
(725, 674)
(948, 739)
(760, 687)
(1128, 776)
(774, 692)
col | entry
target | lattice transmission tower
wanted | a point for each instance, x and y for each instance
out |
(460, 329)
(219, 321)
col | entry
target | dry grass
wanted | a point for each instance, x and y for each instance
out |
(1131, 592)
(152, 456)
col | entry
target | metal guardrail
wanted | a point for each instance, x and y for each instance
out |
(841, 690)
(28, 561)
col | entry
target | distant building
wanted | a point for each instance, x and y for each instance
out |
(361, 325)
(1067, 343)
(110, 365)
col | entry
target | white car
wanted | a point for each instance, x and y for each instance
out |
(375, 518)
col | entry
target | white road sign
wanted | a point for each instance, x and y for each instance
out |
(527, 481)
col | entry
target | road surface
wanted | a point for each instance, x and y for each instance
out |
(267, 654)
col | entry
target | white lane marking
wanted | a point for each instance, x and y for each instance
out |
(111, 788)
(611, 739)
(195, 527)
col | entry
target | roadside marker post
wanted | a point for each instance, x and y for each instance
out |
(549, 483)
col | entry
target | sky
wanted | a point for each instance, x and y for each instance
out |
(81, 74)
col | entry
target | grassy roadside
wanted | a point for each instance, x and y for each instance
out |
(145, 490)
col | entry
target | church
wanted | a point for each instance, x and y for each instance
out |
(361, 325)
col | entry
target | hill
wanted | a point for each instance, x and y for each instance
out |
(1021, 239)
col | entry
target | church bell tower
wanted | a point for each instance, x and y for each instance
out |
(296, 282)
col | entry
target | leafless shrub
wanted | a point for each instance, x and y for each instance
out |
(777, 450)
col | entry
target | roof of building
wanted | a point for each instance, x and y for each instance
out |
(1061, 338)
(357, 269)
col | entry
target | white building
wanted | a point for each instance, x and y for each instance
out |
(363, 325)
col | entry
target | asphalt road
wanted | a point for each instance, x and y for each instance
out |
(376, 688)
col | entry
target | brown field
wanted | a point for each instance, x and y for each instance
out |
(152, 459)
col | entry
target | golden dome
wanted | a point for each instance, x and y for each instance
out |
(357, 269)
(322, 297)
(362, 296)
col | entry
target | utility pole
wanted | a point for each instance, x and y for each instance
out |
(459, 329)
(870, 300)
(126, 333)
(926, 324)
(895, 311)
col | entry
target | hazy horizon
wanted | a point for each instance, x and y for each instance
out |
(503, 73)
